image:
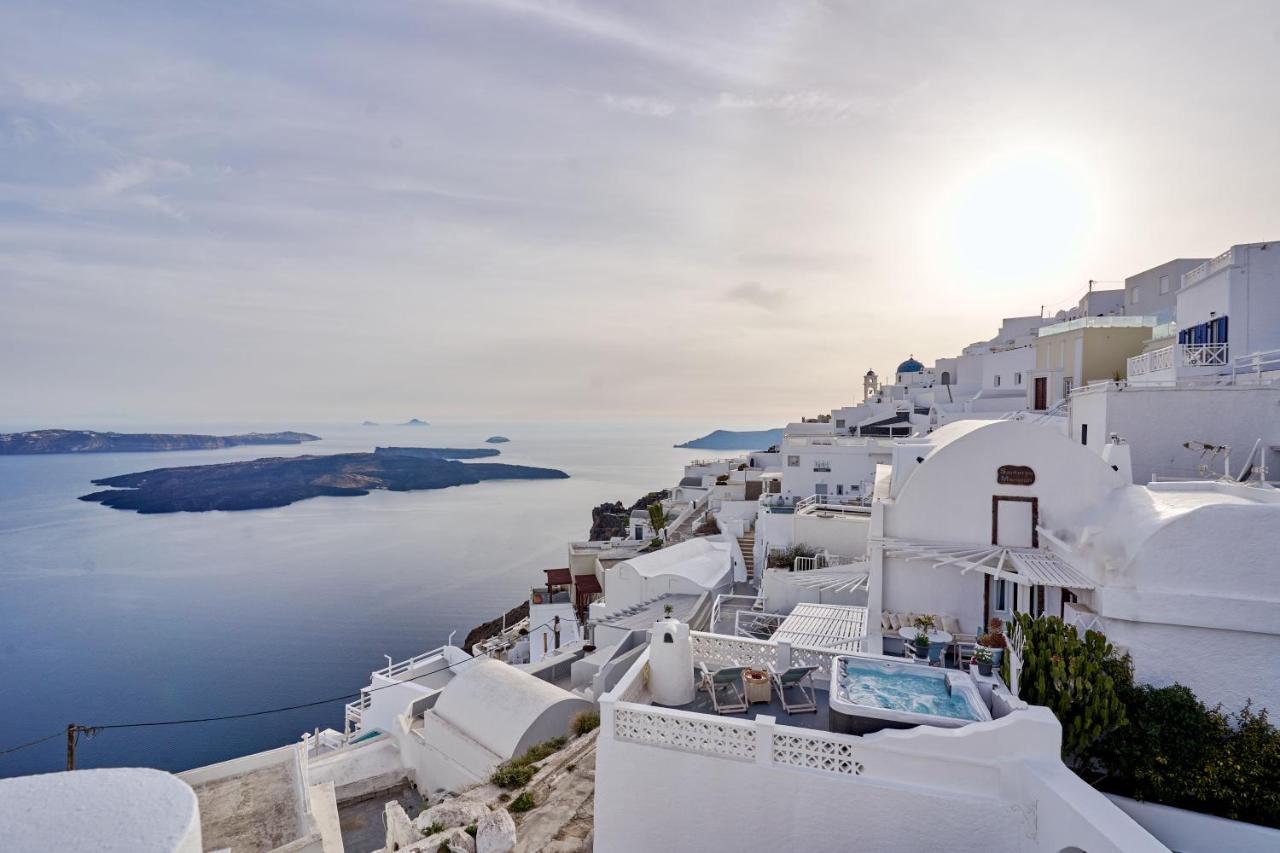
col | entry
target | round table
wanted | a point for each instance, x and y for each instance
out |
(935, 637)
(938, 642)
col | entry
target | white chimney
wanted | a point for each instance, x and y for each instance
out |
(670, 663)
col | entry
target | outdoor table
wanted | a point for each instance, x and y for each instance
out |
(938, 641)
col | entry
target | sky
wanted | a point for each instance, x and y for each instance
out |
(530, 209)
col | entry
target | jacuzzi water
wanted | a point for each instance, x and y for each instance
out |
(903, 691)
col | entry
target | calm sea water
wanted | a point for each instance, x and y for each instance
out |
(110, 617)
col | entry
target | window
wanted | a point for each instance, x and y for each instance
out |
(839, 424)
(997, 380)
(822, 465)
(1000, 595)
(1164, 284)
(793, 461)
(1133, 296)
(839, 488)
(1084, 433)
(1017, 378)
(819, 488)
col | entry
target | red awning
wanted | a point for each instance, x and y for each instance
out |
(586, 584)
(558, 577)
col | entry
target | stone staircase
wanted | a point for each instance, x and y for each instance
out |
(748, 546)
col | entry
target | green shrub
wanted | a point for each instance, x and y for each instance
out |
(656, 518)
(786, 558)
(586, 721)
(435, 827)
(444, 847)
(522, 803)
(512, 775)
(472, 830)
(518, 771)
(1074, 678)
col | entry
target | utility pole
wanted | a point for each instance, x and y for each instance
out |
(72, 731)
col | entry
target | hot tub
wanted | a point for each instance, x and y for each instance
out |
(869, 693)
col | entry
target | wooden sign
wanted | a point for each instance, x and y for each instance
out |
(1015, 475)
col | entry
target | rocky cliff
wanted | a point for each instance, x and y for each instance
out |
(611, 519)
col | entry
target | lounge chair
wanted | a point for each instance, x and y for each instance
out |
(725, 687)
(794, 679)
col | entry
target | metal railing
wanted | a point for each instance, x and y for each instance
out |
(391, 670)
(831, 501)
(821, 560)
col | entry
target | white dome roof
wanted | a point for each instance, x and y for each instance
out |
(119, 809)
(498, 705)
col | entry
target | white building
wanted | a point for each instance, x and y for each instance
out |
(1167, 427)
(983, 519)
(1226, 322)
(1154, 292)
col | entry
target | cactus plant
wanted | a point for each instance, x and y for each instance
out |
(1070, 676)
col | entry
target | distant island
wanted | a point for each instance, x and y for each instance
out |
(369, 423)
(496, 439)
(414, 422)
(726, 439)
(280, 481)
(88, 441)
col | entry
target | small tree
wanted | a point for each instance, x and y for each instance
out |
(656, 518)
(1073, 678)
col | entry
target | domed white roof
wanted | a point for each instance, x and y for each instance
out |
(498, 705)
(119, 809)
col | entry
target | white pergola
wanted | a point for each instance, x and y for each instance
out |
(824, 626)
(827, 580)
(1025, 566)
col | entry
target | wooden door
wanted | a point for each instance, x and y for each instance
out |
(1042, 393)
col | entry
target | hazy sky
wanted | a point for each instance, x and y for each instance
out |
(336, 210)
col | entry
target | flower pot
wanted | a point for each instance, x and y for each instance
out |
(984, 668)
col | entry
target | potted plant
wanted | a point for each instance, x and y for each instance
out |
(982, 655)
(994, 640)
(667, 610)
(921, 643)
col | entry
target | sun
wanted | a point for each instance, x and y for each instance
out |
(1020, 217)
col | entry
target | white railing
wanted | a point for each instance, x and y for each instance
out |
(821, 560)
(738, 740)
(401, 667)
(687, 732)
(1207, 269)
(753, 602)
(355, 712)
(762, 654)
(1177, 356)
(758, 625)
(831, 501)
(1111, 322)
(1255, 363)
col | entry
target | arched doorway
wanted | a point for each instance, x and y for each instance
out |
(946, 377)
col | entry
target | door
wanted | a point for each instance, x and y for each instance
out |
(1013, 521)
(1042, 393)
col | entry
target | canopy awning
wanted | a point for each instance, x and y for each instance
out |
(558, 577)
(1021, 565)
(826, 580)
(586, 584)
(824, 626)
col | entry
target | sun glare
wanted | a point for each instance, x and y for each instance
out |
(1020, 217)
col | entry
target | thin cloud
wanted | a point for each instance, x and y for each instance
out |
(639, 105)
(755, 293)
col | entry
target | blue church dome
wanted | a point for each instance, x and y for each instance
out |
(910, 366)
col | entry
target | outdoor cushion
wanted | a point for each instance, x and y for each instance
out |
(884, 619)
(951, 624)
(895, 621)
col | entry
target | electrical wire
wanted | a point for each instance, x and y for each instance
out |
(91, 730)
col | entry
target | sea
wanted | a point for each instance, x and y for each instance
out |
(109, 617)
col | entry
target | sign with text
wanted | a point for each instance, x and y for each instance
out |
(1015, 475)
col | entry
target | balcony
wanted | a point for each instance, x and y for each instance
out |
(1178, 361)
(1115, 322)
